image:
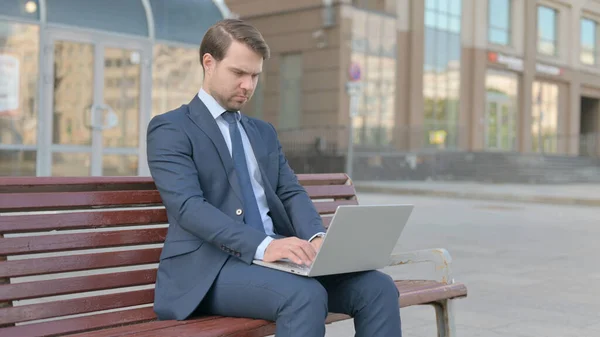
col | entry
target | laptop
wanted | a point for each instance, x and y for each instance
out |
(359, 238)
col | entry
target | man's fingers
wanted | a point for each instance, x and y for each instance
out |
(300, 253)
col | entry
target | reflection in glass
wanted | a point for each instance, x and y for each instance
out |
(502, 106)
(17, 162)
(122, 94)
(499, 19)
(176, 77)
(546, 30)
(544, 119)
(119, 165)
(65, 164)
(588, 41)
(19, 50)
(441, 75)
(73, 93)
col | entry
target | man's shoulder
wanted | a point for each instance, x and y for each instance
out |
(177, 115)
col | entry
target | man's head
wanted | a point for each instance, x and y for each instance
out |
(232, 54)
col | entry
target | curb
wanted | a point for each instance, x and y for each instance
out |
(539, 199)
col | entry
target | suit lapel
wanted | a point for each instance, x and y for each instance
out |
(200, 115)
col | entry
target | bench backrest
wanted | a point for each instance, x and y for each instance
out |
(73, 246)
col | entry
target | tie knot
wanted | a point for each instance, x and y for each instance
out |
(230, 116)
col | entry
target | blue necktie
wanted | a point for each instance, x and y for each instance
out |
(251, 213)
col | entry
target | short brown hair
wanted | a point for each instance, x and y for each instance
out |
(218, 38)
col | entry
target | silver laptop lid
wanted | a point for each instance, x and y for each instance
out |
(360, 237)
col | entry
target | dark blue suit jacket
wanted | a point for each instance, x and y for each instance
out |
(194, 173)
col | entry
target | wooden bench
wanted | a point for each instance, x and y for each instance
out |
(78, 256)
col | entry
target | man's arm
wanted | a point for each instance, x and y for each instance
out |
(170, 160)
(303, 214)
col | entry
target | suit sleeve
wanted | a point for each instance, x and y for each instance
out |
(171, 165)
(304, 216)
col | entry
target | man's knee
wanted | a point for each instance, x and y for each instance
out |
(380, 287)
(309, 296)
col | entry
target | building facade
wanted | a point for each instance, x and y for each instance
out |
(514, 76)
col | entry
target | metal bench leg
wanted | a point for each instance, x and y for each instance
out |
(445, 318)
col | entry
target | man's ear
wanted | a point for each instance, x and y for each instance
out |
(209, 63)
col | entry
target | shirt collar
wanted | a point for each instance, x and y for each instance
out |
(216, 110)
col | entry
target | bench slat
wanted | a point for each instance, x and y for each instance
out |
(331, 191)
(74, 184)
(147, 327)
(329, 207)
(76, 200)
(73, 241)
(227, 326)
(308, 179)
(63, 286)
(61, 264)
(87, 323)
(31, 312)
(80, 220)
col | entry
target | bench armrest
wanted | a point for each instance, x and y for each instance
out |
(439, 256)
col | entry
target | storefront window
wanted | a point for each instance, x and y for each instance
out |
(176, 77)
(441, 76)
(374, 50)
(19, 53)
(501, 110)
(544, 121)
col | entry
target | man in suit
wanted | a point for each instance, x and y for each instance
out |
(231, 197)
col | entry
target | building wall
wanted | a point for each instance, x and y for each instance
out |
(487, 76)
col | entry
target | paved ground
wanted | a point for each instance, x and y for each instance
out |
(531, 270)
(561, 194)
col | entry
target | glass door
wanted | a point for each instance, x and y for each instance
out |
(97, 103)
(499, 123)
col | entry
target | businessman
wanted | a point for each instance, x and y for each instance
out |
(231, 197)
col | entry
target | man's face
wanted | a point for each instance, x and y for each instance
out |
(232, 80)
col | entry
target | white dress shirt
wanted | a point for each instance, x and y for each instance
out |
(216, 111)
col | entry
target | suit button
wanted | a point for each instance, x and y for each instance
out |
(238, 211)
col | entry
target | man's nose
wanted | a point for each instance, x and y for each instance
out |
(247, 83)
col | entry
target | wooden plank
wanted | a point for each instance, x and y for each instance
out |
(143, 327)
(330, 191)
(74, 184)
(31, 312)
(72, 285)
(227, 326)
(75, 200)
(80, 220)
(308, 179)
(66, 242)
(414, 296)
(61, 264)
(330, 207)
(82, 324)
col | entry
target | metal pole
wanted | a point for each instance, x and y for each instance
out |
(353, 111)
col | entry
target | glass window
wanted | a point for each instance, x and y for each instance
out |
(176, 77)
(183, 21)
(499, 19)
(19, 57)
(128, 17)
(291, 91)
(588, 41)
(547, 27)
(544, 121)
(26, 9)
(375, 122)
(441, 76)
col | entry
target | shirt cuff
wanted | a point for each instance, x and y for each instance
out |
(320, 235)
(260, 251)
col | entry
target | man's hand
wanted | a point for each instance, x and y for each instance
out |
(296, 250)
